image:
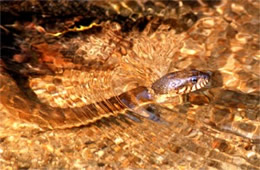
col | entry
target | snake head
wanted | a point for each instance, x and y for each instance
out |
(180, 82)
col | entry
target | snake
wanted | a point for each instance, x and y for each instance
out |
(134, 100)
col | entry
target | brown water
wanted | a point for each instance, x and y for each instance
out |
(213, 128)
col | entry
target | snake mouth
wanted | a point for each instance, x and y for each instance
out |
(190, 88)
(200, 84)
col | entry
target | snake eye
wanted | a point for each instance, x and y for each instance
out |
(194, 80)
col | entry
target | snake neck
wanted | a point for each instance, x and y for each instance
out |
(136, 97)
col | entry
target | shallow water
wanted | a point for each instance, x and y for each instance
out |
(214, 128)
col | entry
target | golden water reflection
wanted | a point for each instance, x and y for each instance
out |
(214, 128)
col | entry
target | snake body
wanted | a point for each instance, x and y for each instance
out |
(168, 86)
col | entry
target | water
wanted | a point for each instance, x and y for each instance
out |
(214, 128)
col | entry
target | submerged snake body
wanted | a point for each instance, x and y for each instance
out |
(168, 86)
